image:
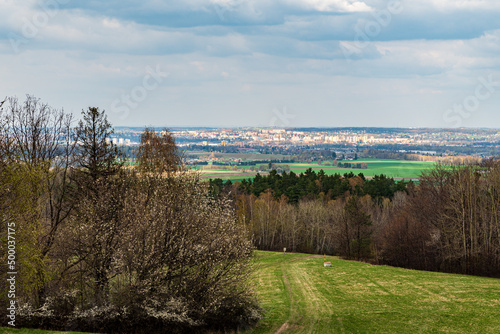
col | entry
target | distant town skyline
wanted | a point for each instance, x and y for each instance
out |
(237, 63)
(243, 137)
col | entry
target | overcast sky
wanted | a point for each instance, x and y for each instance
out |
(285, 63)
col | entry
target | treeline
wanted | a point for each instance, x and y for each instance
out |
(449, 221)
(350, 165)
(372, 153)
(250, 163)
(102, 247)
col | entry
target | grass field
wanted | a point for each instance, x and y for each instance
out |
(301, 296)
(390, 168)
(398, 169)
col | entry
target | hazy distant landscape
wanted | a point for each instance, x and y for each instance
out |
(238, 153)
(81, 205)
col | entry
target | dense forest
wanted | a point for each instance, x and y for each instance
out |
(312, 185)
(101, 247)
(448, 222)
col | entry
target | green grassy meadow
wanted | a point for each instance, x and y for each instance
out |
(300, 295)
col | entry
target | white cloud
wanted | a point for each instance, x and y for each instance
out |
(448, 5)
(252, 56)
(340, 6)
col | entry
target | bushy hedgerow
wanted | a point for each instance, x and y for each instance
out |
(158, 315)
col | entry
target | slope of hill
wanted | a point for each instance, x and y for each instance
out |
(300, 295)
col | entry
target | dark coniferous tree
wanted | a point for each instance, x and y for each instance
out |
(98, 156)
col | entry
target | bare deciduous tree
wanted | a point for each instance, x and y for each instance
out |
(158, 154)
(37, 138)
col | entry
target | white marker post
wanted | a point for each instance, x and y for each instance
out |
(325, 263)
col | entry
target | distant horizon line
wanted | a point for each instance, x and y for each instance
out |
(307, 127)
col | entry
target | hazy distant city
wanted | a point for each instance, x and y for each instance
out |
(477, 142)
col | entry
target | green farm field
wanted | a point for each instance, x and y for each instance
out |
(398, 169)
(391, 168)
(300, 295)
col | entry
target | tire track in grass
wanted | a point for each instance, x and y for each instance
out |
(311, 303)
(312, 308)
(272, 292)
(379, 288)
(286, 283)
(429, 294)
(300, 295)
(281, 271)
